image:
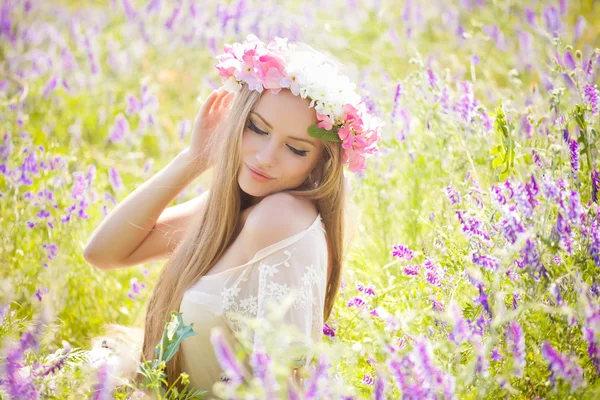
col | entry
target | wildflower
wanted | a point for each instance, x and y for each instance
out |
(516, 341)
(552, 19)
(51, 249)
(225, 357)
(403, 252)
(488, 263)
(115, 179)
(496, 356)
(595, 185)
(564, 367)
(569, 60)
(328, 330)
(120, 129)
(432, 273)
(590, 94)
(412, 269)
(452, 194)
(397, 95)
(356, 301)
(574, 154)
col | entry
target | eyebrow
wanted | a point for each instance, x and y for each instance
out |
(291, 137)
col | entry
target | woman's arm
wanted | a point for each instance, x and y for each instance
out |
(139, 229)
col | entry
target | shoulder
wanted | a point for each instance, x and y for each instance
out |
(277, 217)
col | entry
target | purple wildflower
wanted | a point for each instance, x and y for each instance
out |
(574, 154)
(130, 12)
(529, 255)
(320, 374)
(40, 292)
(437, 306)
(412, 269)
(231, 366)
(593, 350)
(579, 28)
(369, 290)
(564, 367)
(432, 273)
(403, 252)
(555, 290)
(50, 86)
(452, 195)
(462, 329)
(136, 288)
(488, 263)
(368, 380)
(530, 16)
(483, 300)
(595, 185)
(261, 362)
(552, 19)
(516, 340)
(569, 60)
(511, 225)
(173, 16)
(115, 179)
(515, 300)
(432, 78)
(153, 5)
(356, 301)
(328, 330)
(102, 388)
(120, 129)
(526, 126)
(51, 249)
(472, 226)
(590, 94)
(379, 388)
(56, 364)
(466, 104)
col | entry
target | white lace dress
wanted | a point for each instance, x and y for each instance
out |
(297, 263)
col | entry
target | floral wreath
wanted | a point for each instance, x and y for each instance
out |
(342, 115)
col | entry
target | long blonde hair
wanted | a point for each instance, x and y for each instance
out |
(205, 243)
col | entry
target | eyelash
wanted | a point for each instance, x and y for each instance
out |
(252, 127)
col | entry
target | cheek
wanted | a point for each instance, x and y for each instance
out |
(249, 142)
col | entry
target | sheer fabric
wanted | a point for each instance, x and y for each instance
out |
(296, 264)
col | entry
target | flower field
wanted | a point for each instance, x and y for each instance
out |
(473, 265)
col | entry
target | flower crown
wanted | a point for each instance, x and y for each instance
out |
(343, 116)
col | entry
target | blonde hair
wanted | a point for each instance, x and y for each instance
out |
(205, 243)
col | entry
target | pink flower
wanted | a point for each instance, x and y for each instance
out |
(326, 122)
(270, 70)
(291, 83)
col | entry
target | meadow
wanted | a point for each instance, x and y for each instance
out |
(472, 271)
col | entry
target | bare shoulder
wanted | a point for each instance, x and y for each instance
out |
(277, 217)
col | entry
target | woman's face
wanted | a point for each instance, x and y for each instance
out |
(276, 142)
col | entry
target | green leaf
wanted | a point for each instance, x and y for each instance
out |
(498, 161)
(324, 134)
(181, 332)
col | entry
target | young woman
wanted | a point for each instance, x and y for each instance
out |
(271, 224)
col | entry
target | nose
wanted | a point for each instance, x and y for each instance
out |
(267, 155)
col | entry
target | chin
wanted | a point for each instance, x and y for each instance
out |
(249, 187)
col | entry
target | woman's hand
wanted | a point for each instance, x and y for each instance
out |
(212, 112)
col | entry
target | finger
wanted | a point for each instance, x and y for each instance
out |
(208, 103)
(219, 100)
(229, 99)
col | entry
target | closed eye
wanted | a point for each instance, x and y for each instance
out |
(254, 128)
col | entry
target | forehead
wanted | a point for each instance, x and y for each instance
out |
(287, 114)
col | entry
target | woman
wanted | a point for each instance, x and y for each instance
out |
(272, 222)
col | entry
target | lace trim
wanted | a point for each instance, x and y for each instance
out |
(269, 290)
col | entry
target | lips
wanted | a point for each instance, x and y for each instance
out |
(259, 172)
